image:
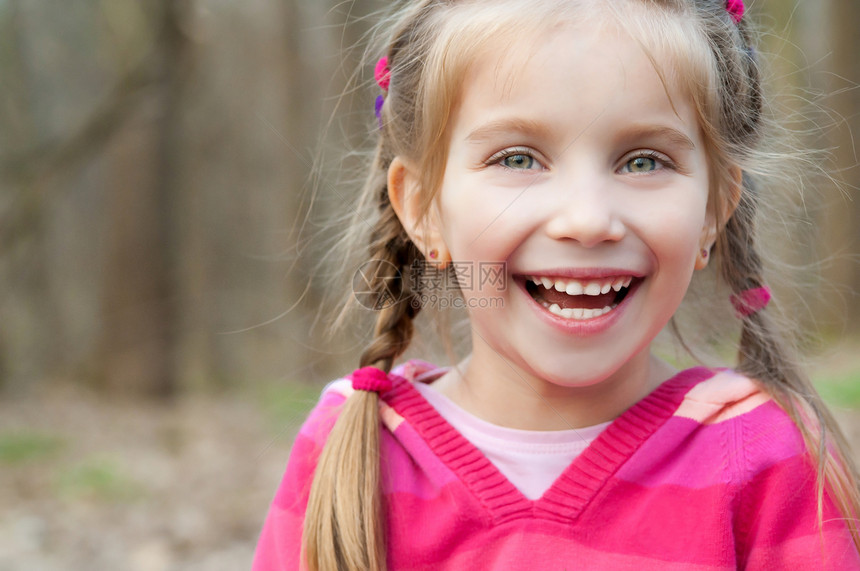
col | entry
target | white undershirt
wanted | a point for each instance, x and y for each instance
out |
(530, 459)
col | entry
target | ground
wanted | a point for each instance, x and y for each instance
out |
(97, 485)
(87, 483)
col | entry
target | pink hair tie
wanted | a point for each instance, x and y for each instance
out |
(751, 301)
(370, 379)
(383, 75)
(736, 9)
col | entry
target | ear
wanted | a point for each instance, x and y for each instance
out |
(423, 228)
(725, 203)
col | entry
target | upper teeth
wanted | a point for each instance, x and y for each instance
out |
(579, 287)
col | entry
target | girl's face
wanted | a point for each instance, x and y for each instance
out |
(585, 176)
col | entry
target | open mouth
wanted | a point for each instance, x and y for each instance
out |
(580, 299)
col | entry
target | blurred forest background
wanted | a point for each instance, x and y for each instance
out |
(159, 328)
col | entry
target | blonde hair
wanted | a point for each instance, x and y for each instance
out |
(693, 43)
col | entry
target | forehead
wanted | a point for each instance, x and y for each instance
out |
(574, 77)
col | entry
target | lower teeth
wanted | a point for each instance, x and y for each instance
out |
(577, 312)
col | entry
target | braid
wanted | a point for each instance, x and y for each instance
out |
(742, 270)
(343, 524)
(346, 486)
(763, 355)
(391, 246)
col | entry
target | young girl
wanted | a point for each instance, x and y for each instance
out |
(590, 156)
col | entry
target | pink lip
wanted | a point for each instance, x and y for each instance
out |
(585, 327)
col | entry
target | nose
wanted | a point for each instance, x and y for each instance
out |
(586, 212)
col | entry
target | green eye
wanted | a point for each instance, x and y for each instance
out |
(518, 161)
(641, 164)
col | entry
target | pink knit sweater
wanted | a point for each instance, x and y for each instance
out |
(706, 472)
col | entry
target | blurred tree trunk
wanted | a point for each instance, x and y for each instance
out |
(142, 313)
(306, 76)
(843, 218)
(175, 61)
(820, 51)
(29, 344)
(298, 123)
(325, 109)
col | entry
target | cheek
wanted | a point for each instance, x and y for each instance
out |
(481, 225)
(676, 231)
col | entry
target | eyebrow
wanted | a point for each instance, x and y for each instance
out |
(669, 134)
(517, 125)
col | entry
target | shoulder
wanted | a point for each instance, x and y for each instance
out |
(722, 429)
(756, 432)
(279, 544)
(734, 400)
(316, 429)
(778, 516)
(322, 418)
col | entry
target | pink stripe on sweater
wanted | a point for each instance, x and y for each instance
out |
(431, 474)
(683, 439)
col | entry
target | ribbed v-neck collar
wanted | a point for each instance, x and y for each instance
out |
(569, 495)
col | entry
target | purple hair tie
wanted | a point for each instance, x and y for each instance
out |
(370, 379)
(380, 100)
(750, 301)
(736, 9)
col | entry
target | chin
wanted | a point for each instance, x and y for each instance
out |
(573, 376)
